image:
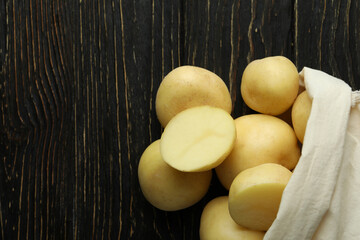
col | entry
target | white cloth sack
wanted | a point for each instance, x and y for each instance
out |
(322, 198)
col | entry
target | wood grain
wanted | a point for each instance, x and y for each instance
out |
(78, 81)
(36, 178)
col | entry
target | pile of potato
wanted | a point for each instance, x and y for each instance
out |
(252, 155)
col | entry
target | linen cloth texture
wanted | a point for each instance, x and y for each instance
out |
(321, 200)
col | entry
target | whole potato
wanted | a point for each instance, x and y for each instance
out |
(270, 85)
(260, 139)
(216, 223)
(190, 86)
(300, 114)
(167, 188)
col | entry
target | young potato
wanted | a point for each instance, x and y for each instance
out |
(190, 86)
(300, 114)
(255, 195)
(198, 139)
(216, 223)
(166, 188)
(270, 85)
(260, 139)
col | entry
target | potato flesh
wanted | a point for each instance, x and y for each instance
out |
(255, 195)
(257, 206)
(216, 223)
(165, 187)
(198, 139)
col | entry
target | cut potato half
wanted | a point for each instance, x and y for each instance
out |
(198, 139)
(255, 195)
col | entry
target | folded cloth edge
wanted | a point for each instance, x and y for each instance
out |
(308, 193)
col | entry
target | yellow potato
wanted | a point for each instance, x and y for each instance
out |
(198, 139)
(255, 195)
(216, 223)
(190, 86)
(166, 188)
(270, 85)
(300, 114)
(260, 139)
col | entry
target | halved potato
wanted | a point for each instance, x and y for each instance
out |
(255, 195)
(198, 139)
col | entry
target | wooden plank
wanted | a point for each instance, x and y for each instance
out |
(36, 153)
(78, 81)
(328, 39)
(121, 52)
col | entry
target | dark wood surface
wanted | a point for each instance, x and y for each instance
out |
(78, 81)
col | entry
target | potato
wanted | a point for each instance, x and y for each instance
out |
(216, 223)
(255, 195)
(190, 86)
(260, 139)
(300, 114)
(198, 139)
(270, 85)
(166, 188)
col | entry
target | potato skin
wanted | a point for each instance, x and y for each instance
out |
(300, 114)
(189, 86)
(270, 85)
(216, 223)
(260, 139)
(167, 188)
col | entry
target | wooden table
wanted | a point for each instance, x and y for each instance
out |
(78, 81)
